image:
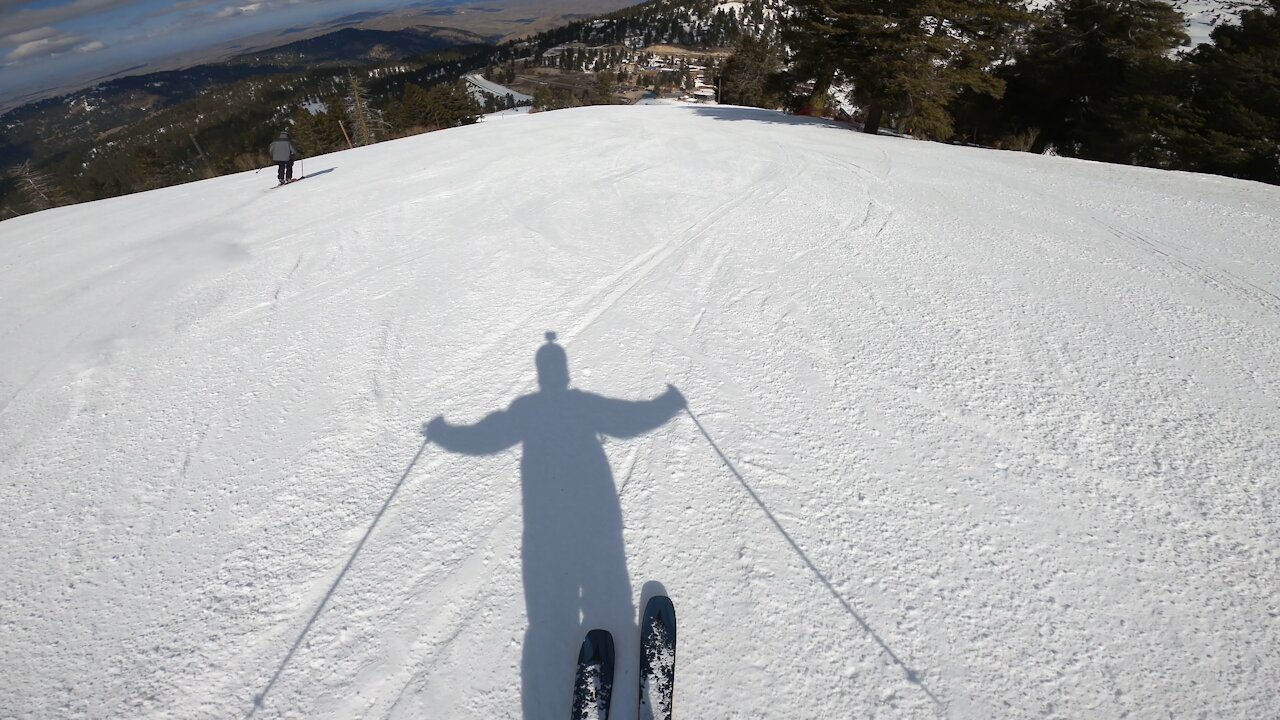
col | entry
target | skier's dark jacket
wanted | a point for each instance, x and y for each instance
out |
(282, 150)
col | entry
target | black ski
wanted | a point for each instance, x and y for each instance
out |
(658, 659)
(593, 685)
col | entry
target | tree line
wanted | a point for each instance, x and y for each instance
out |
(1108, 80)
(227, 129)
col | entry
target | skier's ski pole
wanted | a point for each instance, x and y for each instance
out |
(259, 699)
(912, 675)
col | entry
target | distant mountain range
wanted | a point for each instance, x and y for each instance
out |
(493, 20)
(41, 129)
(361, 45)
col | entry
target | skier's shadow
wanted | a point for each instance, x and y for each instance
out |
(574, 566)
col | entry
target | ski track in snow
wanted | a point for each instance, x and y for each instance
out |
(978, 434)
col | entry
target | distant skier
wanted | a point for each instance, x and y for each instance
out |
(283, 153)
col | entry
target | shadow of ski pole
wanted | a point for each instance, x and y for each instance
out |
(912, 675)
(260, 697)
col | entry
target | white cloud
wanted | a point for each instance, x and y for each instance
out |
(90, 46)
(234, 10)
(33, 35)
(40, 42)
(29, 18)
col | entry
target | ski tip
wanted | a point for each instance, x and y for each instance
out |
(597, 647)
(660, 605)
(659, 612)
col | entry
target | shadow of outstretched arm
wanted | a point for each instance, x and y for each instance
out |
(495, 433)
(629, 418)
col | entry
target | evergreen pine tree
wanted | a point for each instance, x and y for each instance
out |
(907, 58)
(1096, 80)
(315, 133)
(1236, 94)
(748, 75)
(450, 105)
(543, 98)
(820, 39)
(150, 169)
(602, 93)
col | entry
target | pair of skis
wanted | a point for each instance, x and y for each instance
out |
(593, 684)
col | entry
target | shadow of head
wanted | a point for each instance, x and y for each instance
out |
(553, 366)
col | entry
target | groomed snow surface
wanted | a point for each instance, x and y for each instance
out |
(970, 434)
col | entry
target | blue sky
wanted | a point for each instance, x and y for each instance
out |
(45, 43)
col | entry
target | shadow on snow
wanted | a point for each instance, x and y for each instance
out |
(574, 568)
(573, 564)
(774, 117)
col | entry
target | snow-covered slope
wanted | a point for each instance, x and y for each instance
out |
(970, 434)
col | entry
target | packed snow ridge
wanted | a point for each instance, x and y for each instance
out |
(950, 432)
